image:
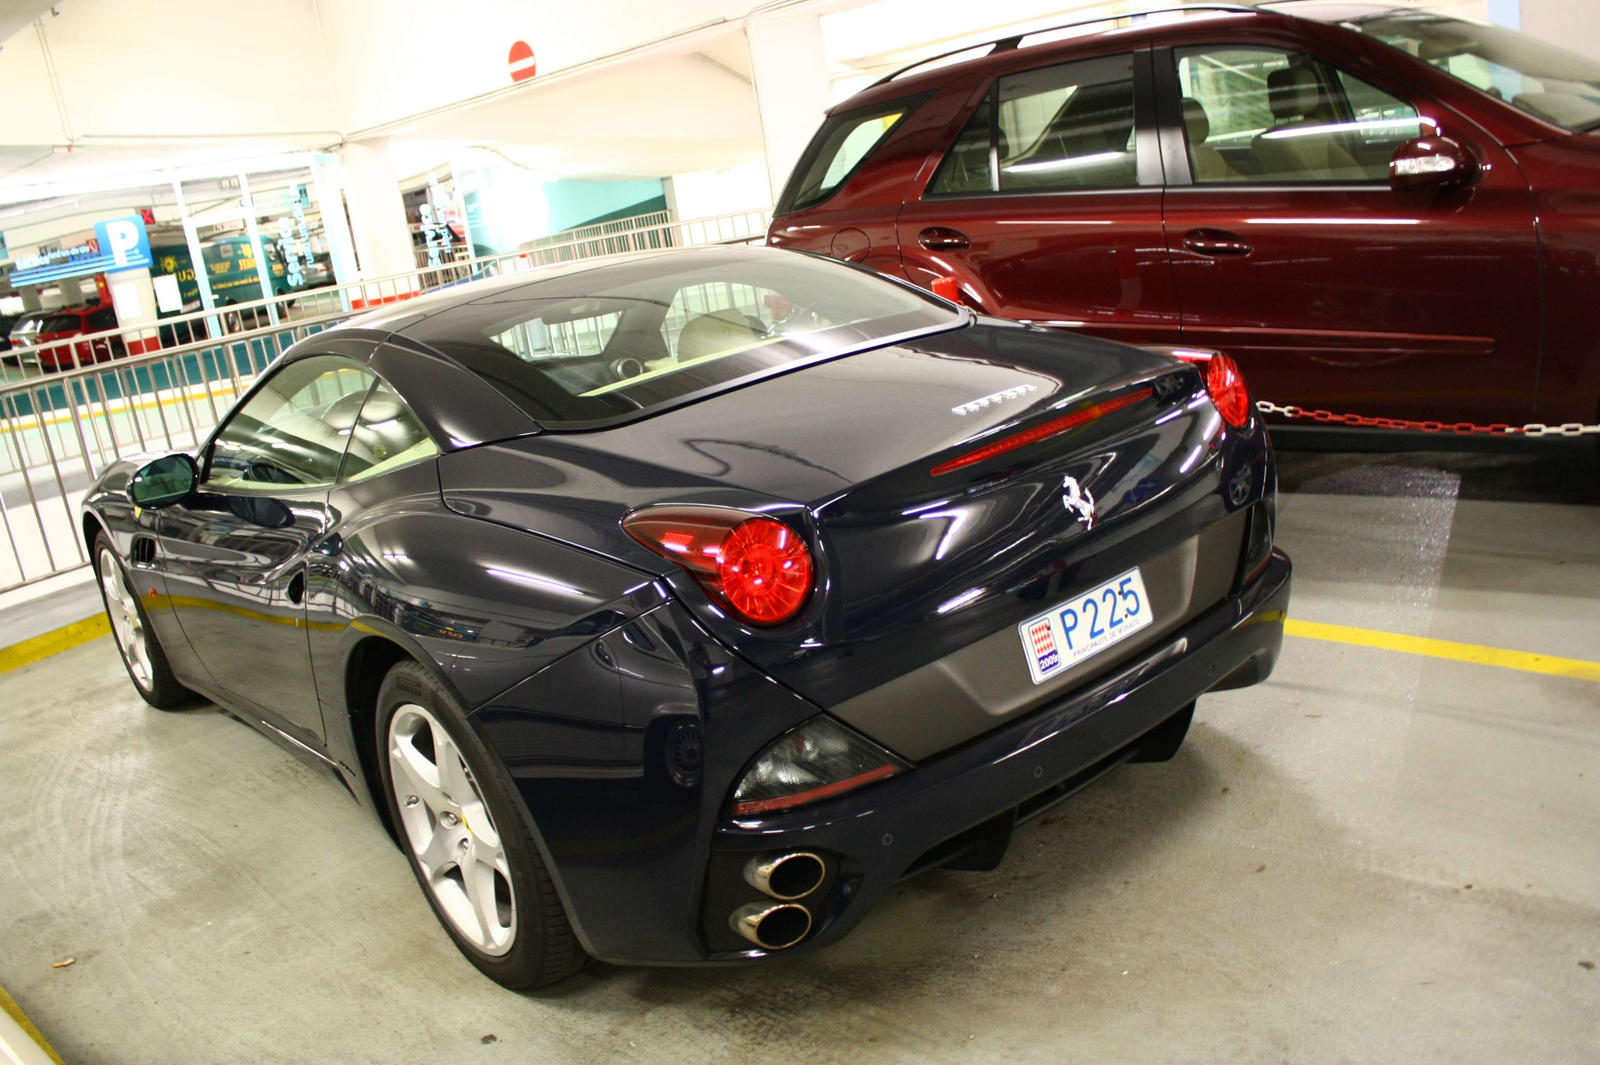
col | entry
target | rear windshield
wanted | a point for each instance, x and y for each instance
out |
(613, 342)
(838, 150)
(1541, 79)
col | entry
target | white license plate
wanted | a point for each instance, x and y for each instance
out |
(1085, 625)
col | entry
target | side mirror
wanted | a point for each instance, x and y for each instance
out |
(1431, 163)
(164, 482)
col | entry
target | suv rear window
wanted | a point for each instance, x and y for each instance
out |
(838, 150)
(617, 341)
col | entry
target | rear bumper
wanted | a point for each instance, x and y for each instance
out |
(915, 821)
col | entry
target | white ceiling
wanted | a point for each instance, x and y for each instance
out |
(16, 14)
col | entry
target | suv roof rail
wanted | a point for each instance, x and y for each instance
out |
(1005, 44)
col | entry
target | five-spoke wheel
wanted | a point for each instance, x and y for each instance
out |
(448, 827)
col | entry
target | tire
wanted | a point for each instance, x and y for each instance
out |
(142, 654)
(499, 904)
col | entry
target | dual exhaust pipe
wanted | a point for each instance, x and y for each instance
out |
(786, 878)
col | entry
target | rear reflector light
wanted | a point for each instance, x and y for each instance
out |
(1043, 431)
(818, 760)
(757, 567)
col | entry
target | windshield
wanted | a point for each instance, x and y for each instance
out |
(608, 343)
(1539, 78)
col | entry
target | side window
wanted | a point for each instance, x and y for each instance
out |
(104, 318)
(1059, 128)
(293, 430)
(841, 145)
(386, 437)
(1267, 115)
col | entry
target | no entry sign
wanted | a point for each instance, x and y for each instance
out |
(521, 61)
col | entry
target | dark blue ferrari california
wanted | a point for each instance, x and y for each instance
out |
(671, 609)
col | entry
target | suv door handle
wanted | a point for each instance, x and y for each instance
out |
(1216, 242)
(938, 238)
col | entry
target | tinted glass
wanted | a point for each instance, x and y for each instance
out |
(1267, 115)
(61, 323)
(1068, 126)
(1539, 78)
(968, 166)
(841, 145)
(386, 437)
(104, 318)
(293, 430)
(611, 342)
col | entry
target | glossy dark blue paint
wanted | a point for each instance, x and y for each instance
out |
(502, 567)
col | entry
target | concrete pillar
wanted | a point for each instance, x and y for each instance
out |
(134, 297)
(30, 298)
(789, 70)
(377, 215)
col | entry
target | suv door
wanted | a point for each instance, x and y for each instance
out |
(235, 554)
(1047, 205)
(1292, 253)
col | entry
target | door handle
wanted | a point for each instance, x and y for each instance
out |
(1216, 242)
(939, 238)
(297, 588)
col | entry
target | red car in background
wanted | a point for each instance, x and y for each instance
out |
(68, 322)
(1373, 210)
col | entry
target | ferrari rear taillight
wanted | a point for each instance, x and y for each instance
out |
(1224, 382)
(1226, 385)
(758, 567)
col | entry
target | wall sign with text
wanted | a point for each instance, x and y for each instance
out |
(117, 244)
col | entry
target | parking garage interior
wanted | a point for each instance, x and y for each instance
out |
(1388, 850)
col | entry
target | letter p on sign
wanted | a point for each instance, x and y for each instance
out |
(123, 236)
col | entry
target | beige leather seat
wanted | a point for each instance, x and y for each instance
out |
(1298, 101)
(719, 331)
(1208, 163)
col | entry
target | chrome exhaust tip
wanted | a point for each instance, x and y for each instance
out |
(786, 876)
(771, 926)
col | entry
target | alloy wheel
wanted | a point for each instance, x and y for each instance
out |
(449, 830)
(127, 624)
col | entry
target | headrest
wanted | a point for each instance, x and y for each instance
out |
(1293, 92)
(1195, 121)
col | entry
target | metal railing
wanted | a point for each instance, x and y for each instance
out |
(602, 229)
(75, 406)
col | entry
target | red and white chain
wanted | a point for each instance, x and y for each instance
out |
(1459, 428)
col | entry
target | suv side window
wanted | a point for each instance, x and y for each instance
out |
(838, 149)
(293, 431)
(1268, 115)
(1060, 128)
(104, 318)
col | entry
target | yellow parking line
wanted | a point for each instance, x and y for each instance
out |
(1476, 653)
(54, 642)
(9, 1007)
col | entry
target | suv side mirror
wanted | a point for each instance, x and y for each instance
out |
(1431, 163)
(164, 482)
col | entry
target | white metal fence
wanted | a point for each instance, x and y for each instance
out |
(70, 407)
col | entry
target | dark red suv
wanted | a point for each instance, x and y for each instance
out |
(1379, 211)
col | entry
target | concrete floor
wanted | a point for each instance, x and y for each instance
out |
(1375, 857)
